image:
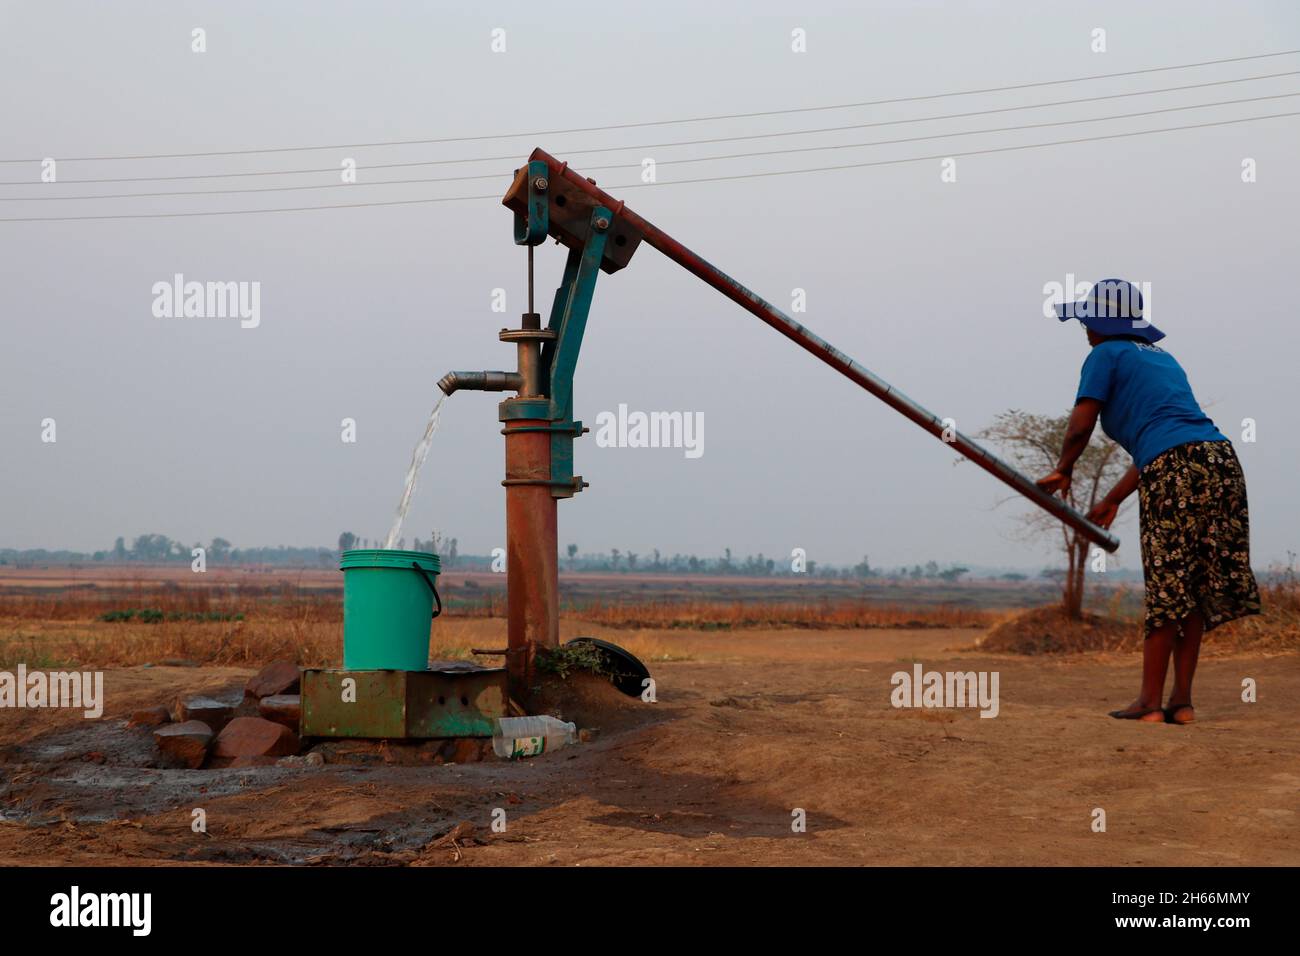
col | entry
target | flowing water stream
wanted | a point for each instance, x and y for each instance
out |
(417, 462)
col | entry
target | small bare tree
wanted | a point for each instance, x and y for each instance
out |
(1033, 444)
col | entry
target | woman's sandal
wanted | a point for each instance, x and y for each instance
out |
(1138, 714)
(1172, 711)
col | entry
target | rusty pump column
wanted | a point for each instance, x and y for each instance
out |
(532, 545)
(538, 422)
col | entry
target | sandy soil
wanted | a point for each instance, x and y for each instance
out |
(750, 727)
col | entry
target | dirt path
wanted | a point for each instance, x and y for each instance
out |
(753, 726)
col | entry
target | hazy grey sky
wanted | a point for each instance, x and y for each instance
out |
(197, 427)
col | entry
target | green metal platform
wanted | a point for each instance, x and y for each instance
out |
(403, 705)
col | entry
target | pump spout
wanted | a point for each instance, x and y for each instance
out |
(481, 382)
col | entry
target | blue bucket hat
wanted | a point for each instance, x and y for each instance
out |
(1112, 307)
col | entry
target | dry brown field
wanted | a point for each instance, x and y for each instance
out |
(764, 708)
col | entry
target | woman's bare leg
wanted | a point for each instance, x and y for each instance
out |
(1155, 666)
(1187, 650)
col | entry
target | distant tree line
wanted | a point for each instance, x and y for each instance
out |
(750, 566)
(160, 549)
(446, 548)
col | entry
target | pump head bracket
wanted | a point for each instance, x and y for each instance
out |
(546, 203)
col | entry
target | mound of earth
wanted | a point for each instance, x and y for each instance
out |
(590, 701)
(1047, 630)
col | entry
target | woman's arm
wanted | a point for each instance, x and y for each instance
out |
(1104, 511)
(1077, 434)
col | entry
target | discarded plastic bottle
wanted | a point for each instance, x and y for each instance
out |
(530, 736)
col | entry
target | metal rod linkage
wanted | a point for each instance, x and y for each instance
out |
(833, 357)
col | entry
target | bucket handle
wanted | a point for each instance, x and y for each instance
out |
(437, 601)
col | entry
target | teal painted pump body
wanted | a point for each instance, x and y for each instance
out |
(568, 320)
(389, 598)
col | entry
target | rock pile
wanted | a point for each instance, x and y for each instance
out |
(257, 731)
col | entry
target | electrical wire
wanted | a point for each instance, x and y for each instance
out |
(973, 152)
(673, 162)
(681, 182)
(692, 142)
(670, 122)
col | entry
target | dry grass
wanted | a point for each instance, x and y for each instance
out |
(738, 615)
(64, 627)
(89, 603)
(266, 622)
(256, 640)
(248, 642)
(1276, 629)
(286, 601)
(281, 622)
(1047, 631)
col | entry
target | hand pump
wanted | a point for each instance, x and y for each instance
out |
(550, 199)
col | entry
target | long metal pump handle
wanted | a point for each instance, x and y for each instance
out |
(833, 357)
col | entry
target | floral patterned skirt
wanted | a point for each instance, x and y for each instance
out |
(1196, 536)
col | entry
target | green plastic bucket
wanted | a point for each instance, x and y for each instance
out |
(388, 600)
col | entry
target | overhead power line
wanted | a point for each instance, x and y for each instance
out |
(671, 122)
(973, 152)
(680, 182)
(691, 142)
(672, 162)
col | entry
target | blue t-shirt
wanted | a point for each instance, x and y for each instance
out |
(1147, 404)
